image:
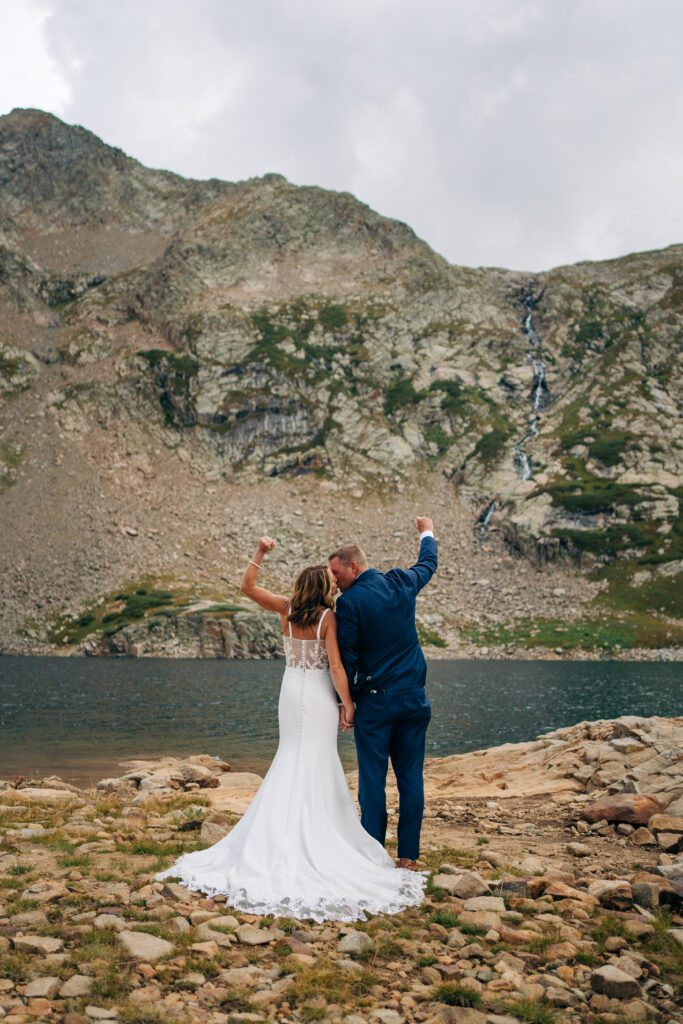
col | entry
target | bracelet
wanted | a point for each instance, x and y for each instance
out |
(257, 564)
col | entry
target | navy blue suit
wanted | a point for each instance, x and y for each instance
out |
(387, 670)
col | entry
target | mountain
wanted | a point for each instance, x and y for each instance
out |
(186, 363)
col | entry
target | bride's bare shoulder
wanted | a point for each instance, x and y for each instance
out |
(329, 622)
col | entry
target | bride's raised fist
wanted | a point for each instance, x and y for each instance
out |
(267, 544)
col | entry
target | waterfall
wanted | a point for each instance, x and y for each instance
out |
(484, 517)
(528, 323)
(540, 392)
(540, 400)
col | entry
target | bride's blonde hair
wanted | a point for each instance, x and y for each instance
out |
(312, 591)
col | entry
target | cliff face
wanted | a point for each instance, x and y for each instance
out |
(272, 331)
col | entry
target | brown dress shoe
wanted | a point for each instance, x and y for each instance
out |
(411, 865)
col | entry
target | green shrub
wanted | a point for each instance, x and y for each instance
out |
(332, 317)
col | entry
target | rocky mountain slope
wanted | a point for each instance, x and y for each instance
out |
(184, 364)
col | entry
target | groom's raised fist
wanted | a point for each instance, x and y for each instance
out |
(424, 523)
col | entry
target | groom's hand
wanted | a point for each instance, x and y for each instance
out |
(424, 523)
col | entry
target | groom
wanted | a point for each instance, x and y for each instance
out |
(386, 671)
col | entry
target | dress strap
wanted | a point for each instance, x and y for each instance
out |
(289, 621)
(320, 622)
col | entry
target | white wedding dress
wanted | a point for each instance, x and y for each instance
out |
(300, 850)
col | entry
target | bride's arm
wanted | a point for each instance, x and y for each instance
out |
(339, 680)
(266, 598)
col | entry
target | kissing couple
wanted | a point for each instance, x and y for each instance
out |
(300, 849)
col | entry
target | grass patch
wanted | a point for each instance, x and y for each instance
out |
(237, 1000)
(446, 918)
(455, 855)
(454, 994)
(20, 869)
(332, 317)
(491, 446)
(115, 983)
(550, 935)
(325, 979)
(536, 1011)
(606, 633)
(664, 950)
(56, 840)
(587, 494)
(429, 637)
(76, 860)
(399, 395)
(607, 926)
(157, 848)
(134, 1013)
(17, 966)
(116, 611)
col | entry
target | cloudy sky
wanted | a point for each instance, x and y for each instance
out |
(517, 133)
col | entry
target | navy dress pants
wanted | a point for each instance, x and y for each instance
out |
(392, 725)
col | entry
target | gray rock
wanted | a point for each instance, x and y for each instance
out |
(354, 942)
(77, 985)
(493, 903)
(46, 987)
(248, 935)
(144, 946)
(387, 1016)
(466, 885)
(612, 893)
(37, 943)
(578, 849)
(612, 982)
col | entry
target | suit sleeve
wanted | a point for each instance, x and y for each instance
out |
(348, 633)
(419, 575)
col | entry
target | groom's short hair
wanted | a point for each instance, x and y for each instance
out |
(350, 553)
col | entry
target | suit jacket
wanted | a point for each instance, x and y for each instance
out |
(378, 639)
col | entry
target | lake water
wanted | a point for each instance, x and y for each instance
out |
(79, 717)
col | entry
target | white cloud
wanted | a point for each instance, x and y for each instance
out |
(29, 76)
(520, 133)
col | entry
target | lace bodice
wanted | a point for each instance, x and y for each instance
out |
(309, 653)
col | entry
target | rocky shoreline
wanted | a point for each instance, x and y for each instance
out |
(556, 879)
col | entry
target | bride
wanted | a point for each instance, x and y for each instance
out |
(300, 850)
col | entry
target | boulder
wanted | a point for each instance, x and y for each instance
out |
(615, 894)
(614, 983)
(670, 842)
(466, 885)
(251, 936)
(665, 823)
(493, 903)
(143, 946)
(633, 808)
(77, 985)
(37, 943)
(45, 988)
(643, 837)
(354, 942)
(214, 827)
